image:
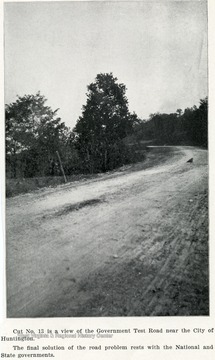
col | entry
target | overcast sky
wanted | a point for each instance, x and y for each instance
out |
(158, 49)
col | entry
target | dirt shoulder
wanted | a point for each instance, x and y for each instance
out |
(132, 244)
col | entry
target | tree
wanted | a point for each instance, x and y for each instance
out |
(104, 123)
(33, 134)
(179, 112)
(196, 123)
(203, 122)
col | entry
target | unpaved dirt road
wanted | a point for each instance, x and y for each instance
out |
(132, 243)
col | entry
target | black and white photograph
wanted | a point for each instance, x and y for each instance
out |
(106, 154)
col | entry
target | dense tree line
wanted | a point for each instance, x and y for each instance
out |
(188, 127)
(106, 135)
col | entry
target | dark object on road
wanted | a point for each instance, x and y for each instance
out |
(190, 160)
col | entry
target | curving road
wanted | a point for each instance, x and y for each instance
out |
(132, 243)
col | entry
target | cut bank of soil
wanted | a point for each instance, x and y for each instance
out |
(138, 248)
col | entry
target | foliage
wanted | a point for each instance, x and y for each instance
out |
(33, 135)
(104, 123)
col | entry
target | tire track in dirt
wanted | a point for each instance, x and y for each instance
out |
(178, 259)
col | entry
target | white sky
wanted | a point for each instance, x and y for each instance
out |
(157, 49)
